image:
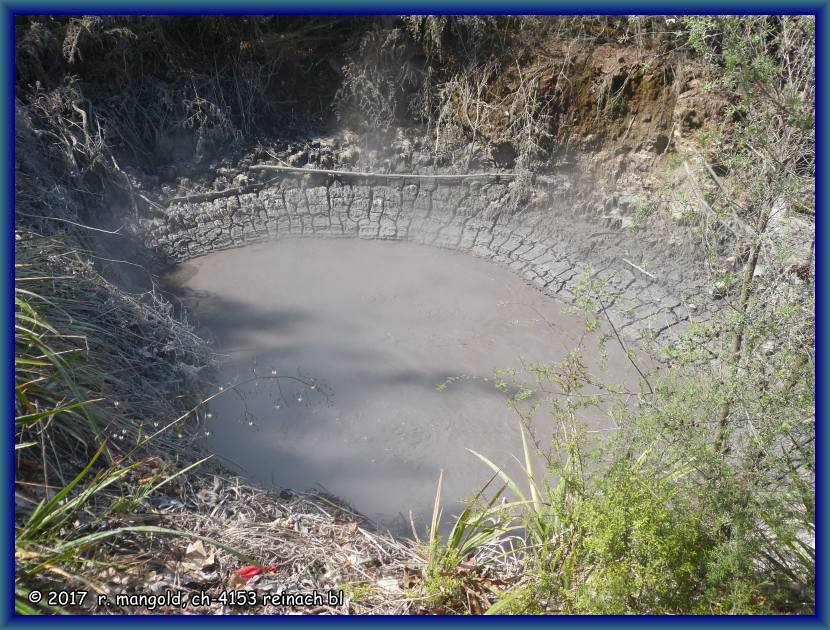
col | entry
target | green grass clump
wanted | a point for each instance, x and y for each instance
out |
(77, 444)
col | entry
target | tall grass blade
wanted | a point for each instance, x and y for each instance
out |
(436, 514)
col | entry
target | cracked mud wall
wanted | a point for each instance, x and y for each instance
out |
(547, 243)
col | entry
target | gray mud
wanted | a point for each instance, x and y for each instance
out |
(348, 343)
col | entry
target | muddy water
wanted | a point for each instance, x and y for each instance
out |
(368, 367)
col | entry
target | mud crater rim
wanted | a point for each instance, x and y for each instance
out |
(541, 242)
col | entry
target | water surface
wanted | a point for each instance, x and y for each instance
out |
(370, 366)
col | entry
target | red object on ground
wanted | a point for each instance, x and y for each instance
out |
(251, 570)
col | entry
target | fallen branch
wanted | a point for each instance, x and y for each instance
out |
(627, 131)
(61, 220)
(703, 203)
(640, 269)
(319, 171)
(622, 345)
(240, 190)
(218, 194)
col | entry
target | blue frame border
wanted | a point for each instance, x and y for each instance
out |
(8, 10)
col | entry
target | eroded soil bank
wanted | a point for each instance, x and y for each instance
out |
(368, 367)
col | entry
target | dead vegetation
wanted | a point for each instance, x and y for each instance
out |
(309, 543)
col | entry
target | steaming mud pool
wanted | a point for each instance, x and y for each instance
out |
(368, 366)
